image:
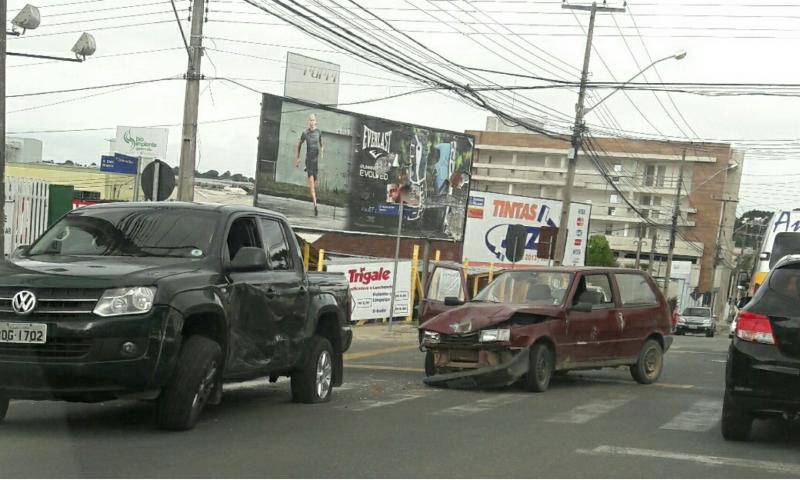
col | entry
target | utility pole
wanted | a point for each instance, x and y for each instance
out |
(190, 105)
(674, 230)
(652, 252)
(577, 129)
(639, 246)
(3, 15)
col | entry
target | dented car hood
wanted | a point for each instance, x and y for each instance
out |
(472, 317)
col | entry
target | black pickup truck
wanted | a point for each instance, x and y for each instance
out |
(166, 301)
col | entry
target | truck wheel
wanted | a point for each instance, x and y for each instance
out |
(736, 423)
(313, 382)
(650, 364)
(710, 333)
(195, 378)
(430, 364)
(540, 369)
(3, 408)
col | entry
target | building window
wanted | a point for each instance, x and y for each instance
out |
(612, 211)
(617, 172)
(609, 229)
(614, 198)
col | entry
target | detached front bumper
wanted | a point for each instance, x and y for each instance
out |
(486, 377)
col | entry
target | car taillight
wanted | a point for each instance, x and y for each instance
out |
(752, 327)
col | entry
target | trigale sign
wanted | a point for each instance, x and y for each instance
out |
(489, 216)
(371, 288)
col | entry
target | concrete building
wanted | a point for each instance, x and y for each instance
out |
(23, 150)
(644, 173)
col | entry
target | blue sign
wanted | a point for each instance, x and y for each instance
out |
(119, 163)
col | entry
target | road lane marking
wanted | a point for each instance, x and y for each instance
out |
(394, 399)
(699, 418)
(384, 368)
(589, 411)
(681, 386)
(482, 405)
(264, 382)
(381, 351)
(790, 469)
(698, 352)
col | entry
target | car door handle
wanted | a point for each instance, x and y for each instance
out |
(302, 290)
(271, 292)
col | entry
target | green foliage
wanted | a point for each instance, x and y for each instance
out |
(749, 228)
(599, 253)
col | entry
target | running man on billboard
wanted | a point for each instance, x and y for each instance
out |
(312, 137)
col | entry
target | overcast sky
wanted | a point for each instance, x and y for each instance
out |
(735, 41)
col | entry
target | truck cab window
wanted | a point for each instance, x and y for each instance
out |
(275, 244)
(243, 233)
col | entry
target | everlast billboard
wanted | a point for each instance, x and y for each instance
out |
(331, 170)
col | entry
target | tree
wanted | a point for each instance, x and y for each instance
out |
(598, 253)
(749, 228)
(226, 175)
(238, 177)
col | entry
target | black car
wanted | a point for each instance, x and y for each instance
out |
(763, 372)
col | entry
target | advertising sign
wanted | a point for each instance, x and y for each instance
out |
(119, 163)
(311, 79)
(142, 142)
(490, 215)
(371, 288)
(326, 169)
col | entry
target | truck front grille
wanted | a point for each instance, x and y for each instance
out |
(58, 302)
(54, 349)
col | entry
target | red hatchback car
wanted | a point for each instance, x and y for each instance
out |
(529, 323)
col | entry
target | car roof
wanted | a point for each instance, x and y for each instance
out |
(788, 260)
(202, 207)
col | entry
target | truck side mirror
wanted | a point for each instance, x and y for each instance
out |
(249, 259)
(20, 252)
(453, 301)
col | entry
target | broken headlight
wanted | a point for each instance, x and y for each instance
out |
(496, 335)
(431, 337)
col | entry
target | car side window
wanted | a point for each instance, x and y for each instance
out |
(635, 290)
(445, 282)
(275, 244)
(595, 290)
(243, 233)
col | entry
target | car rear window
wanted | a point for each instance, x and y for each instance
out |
(635, 290)
(697, 312)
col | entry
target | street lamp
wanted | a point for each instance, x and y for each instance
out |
(577, 138)
(679, 55)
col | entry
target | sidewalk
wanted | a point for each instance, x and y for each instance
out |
(401, 331)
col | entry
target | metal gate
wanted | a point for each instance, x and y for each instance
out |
(26, 211)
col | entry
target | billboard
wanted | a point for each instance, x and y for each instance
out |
(141, 142)
(371, 288)
(331, 170)
(490, 215)
(311, 79)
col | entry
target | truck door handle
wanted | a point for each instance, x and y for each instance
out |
(271, 292)
(302, 290)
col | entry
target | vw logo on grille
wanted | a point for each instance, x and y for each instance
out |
(23, 302)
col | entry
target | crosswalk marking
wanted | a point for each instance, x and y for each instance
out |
(699, 418)
(394, 399)
(589, 411)
(482, 405)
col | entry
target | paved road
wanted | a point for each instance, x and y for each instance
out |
(386, 423)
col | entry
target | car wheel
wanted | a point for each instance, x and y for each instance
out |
(678, 332)
(736, 423)
(650, 364)
(540, 370)
(313, 382)
(3, 408)
(430, 364)
(196, 375)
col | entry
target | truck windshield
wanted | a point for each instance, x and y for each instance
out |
(140, 232)
(697, 312)
(527, 288)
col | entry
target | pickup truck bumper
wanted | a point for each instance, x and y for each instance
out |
(83, 359)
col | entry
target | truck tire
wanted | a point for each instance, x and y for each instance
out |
(313, 382)
(710, 333)
(3, 408)
(430, 364)
(736, 423)
(195, 378)
(540, 370)
(650, 364)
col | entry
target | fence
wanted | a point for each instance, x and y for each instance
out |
(27, 202)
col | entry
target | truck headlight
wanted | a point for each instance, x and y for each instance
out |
(495, 335)
(125, 301)
(431, 337)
